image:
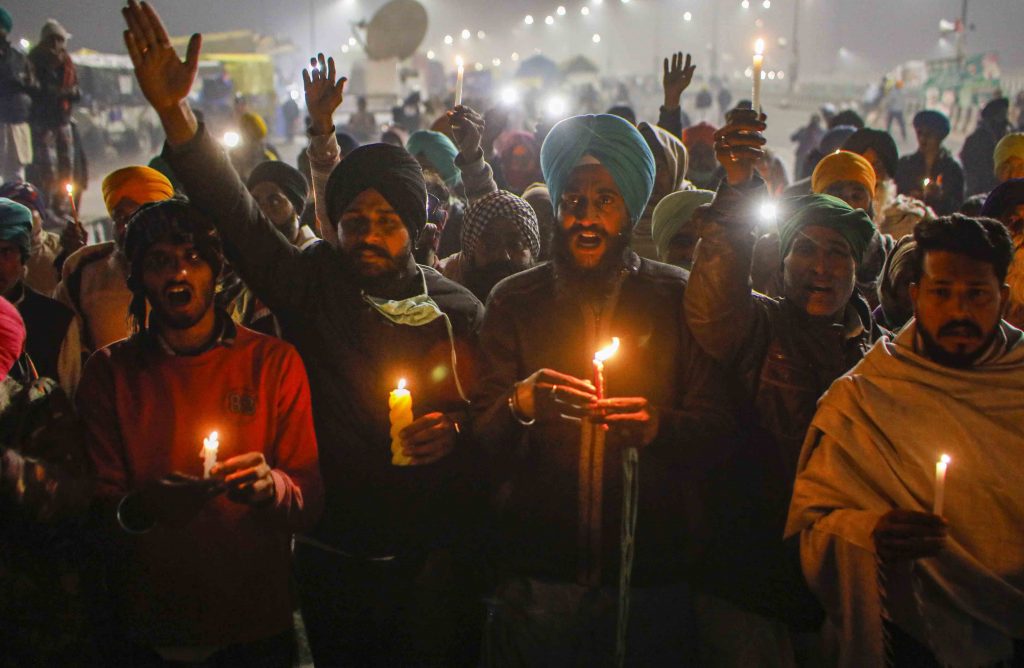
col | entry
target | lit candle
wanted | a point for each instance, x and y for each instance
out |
(210, 446)
(600, 357)
(926, 183)
(400, 407)
(458, 81)
(70, 188)
(940, 483)
(758, 65)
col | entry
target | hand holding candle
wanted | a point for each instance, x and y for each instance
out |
(758, 67)
(400, 410)
(600, 357)
(940, 483)
(209, 454)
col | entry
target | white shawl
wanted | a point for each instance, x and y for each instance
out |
(872, 447)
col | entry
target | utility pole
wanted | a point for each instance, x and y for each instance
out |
(794, 67)
(961, 37)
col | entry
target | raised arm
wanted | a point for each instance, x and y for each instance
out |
(267, 262)
(721, 310)
(468, 128)
(676, 78)
(324, 94)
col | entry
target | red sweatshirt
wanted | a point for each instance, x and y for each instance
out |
(223, 578)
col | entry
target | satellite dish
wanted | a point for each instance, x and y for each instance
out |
(396, 30)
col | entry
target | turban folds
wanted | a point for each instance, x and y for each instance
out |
(6, 22)
(23, 193)
(253, 125)
(491, 207)
(290, 180)
(613, 142)
(881, 142)
(826, 211)
(1005, 198)
(16, 225)
(388, 169)
(439, 151)
(140, 184)
(1010, 146)
(933, 121)
(175, 221)
(843, 166)
(12, 337)
(673, 213)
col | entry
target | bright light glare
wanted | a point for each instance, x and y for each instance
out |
(344, 48)
(510, 96)
(745, 4)
(515, 57)
(294, 94)
(431, 55)
(448, 39)
(528, 20)
(596, 38)
(687, 16)
(549, 20)
(25, 44)
(231, 139)
(560, 11)
(556, 106)
(466, 34)
(585, 11)
(767, 4)
(768, 212)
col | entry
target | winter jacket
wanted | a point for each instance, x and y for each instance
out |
(780, 361)
(978, 159)
(946, 173)
(16, 85)
(354, 357)
(58, 89)
(533, 322)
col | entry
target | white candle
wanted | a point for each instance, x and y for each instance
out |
(940, 483)
(400, 409)
(758, 66)
(458, 81)
(600, 357)
(209, 454)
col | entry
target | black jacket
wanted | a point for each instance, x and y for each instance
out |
(16, 84)
(946, 172)
(533, 322)
(46, 325)
(354, 357)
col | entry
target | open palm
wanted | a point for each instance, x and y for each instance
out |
(164, 78)
(324, 92)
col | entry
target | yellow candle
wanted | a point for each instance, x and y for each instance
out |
(758, 65)
(210, 446)
(940, 483)
(400, 406)
(458, 81)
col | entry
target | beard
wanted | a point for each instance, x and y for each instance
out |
(594, 283)
(959, 359)
(373, 276)
(481, 280)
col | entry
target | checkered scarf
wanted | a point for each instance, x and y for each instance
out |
(499, 204)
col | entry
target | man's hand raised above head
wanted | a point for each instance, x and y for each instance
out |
(164, 78)
(468, 128)
(739, 145)
(676, 78)
(324, 93)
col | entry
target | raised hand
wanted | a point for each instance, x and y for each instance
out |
(164, 78)
(676, 78)
(468, 128)
(739, 144)
(324, 94)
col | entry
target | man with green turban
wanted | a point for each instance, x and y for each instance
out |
(675, 225)
(558, 444)
(781, 354)
(435, 152)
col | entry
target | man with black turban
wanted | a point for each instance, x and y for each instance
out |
(376, 578)
(932, 174)
(781, 355)
(559, 445)
(979, 148)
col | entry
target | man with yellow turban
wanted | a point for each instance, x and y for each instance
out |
(94, 278)
(1009, 157)
(845, 175)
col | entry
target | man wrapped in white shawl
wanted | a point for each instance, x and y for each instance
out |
(951, 383)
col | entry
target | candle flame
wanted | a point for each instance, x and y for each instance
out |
(211, 442)
(945, 459)
(459, 61)
(759, 46)
(401, 383)
(605, 353)
(926, 182)
(69, 188)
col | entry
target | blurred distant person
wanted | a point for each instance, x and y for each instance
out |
(290, 115)
(846, 117)
(519, 157)
(831, 141)
(17, 84)
(895, 105)
(675, 226)
(671, 161)
(623, 111)
(253, 148)
(1006, 204)
(724, 100)
(436, 153)
(539, 198)
(42, 272)
(978, 154)
(676, 77)
(53, 156)
(362, 123)
(280, 190)
(702, 171)
(895, 307)
(704, 103)
(931, 174)
(1009, 157)
(807, 139)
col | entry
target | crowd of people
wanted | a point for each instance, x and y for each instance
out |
(480, 395)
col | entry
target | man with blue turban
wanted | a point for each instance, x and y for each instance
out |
(557, 440)
(932, 174)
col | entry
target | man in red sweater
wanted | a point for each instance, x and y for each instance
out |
(202, 568)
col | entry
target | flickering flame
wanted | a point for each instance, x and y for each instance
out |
(927, 182)
(945, 459)
(212, 442)
(69, 188)
(459, 62)
(401, 383)
(605, 353)
(759, 46)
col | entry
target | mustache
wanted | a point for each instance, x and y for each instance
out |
(370, 248)
(960, 328)
(592, 229)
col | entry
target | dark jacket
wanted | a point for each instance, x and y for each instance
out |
(946, 172)
(978, 159)
(354, 358)
(51, 102)
(46, 325)
(780, 361)
(534, 322)
(16, 84)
